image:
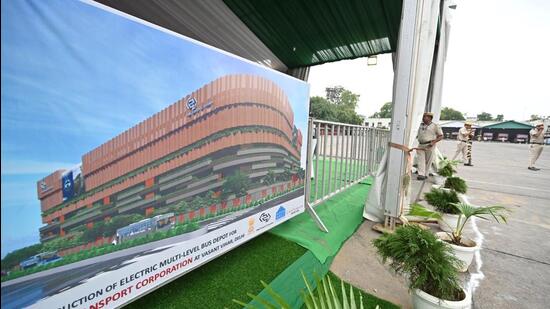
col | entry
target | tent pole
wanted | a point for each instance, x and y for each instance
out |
(402, 94)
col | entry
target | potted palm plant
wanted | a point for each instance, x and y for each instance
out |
(463, 247)
(429, 265)
(443, 201)
(456, 184)
(446, 168)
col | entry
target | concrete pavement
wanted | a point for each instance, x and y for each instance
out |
(514, 268)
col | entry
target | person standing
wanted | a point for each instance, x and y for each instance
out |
(465, 135)
(429, 134)
(536, 142)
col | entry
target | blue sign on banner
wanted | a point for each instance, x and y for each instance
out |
(67, 183)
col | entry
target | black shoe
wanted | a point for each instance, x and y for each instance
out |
(533, 168)
(430, 174)
(421, 178)
(468, 164)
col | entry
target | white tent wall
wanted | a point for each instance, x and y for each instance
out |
(413, 68)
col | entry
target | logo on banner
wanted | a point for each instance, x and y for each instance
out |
(67, 183)
(264, 217)
(192, 104)
(281, 212)
(250, 225)
(43, 186)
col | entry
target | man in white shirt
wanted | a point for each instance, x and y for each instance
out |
(536, 142)
(465, 135)
(429, 134)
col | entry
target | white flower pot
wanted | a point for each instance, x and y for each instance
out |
(423, 300)
(465, 254)
(439, 180)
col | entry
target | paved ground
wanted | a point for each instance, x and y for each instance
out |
(515, 258)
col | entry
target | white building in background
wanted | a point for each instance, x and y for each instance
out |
(383, 123)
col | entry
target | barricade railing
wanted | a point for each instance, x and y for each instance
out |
(339, 156)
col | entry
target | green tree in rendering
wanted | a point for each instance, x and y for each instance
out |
(385, 111)
(448, 113)
(13, 258)
(499, 117)
(198, 202)
(180, 207)
(237, 184)
(270, 178)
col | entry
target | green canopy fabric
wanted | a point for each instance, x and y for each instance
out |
(309, 32)
(510, 124)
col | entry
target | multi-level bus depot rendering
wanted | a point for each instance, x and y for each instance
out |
(236, 124)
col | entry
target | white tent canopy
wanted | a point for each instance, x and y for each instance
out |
(417, 87)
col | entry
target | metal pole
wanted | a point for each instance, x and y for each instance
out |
(330, 180)
(309, 163)
(339, 160)
(323, 191)
(317, 146)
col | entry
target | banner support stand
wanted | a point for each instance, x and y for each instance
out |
(308, 177)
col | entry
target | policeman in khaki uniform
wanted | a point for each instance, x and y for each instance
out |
(465, 134)
(429, 134)
(536, 142)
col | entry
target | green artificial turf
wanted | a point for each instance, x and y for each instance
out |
(331, 175)
(228, 277)
(342, 214)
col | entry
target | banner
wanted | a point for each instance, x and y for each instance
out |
(132, 155)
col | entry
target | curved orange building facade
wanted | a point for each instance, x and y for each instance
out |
(241, 123)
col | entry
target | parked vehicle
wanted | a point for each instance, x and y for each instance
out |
(521, 138)
(150, 225)
(40, 259)
(503, 137)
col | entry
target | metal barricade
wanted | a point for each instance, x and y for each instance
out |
(339, 156)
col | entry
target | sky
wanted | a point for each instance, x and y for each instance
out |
(74, 76)
(498, 62)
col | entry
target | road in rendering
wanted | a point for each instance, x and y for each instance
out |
(27, 290)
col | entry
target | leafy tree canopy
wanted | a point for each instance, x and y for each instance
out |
(484, 117)
(448, 113)
(339, 105)
(385, 111)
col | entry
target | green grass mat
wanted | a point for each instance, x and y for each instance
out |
(290, 283)
(334, 173)
(341, 214)
(228, 277)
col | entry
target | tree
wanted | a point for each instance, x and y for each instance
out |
(448, 113)
(484, 117)
(535, 117)
(13, 258)
(181, 207)
(499, 117)
(270, 178)
(237, 184)
(339, 105)
(385, 111)
(198, 202)
(321, 108)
